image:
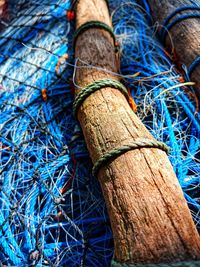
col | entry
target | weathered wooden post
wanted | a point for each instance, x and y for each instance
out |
(179, 29)
(150, 219)
(3, 9)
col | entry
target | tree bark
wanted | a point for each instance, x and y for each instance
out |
(4, 15)
(3, 3)
(183, 36)
(149, 216)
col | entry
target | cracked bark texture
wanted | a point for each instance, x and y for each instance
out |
(149, 216)
(3, 10)
(183, 37)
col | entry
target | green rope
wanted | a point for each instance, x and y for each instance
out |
(116, 152)
(177, 264)
(75, 2)
(93, 24)
(93, 87)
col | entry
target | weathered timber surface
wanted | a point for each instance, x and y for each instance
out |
(149, 215)
(3, 8)
(183, 36)
(4, 15)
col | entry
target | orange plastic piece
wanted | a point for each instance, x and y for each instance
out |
(60, 61)
(131, 101)
(70, 15)
(44, 94)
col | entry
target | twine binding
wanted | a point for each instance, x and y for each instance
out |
(177, 264)
(167, 25)
(193, 66)
(116, 152)
(95, 86)
(93, 24)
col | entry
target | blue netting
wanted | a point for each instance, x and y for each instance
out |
(52, 210)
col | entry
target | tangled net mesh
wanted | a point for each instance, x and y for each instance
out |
(52, 210)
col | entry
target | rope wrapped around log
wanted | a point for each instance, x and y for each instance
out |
(177, 264)
(179, 31)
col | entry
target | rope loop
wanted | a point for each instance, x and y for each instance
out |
(93, 24)
(177, 264)
(75, 2)
(116, 152)
(193, 66)
(93, 87)
(167, 25)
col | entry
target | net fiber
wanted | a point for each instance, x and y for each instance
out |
(52, 212)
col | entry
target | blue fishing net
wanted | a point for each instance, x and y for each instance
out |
(52, 210)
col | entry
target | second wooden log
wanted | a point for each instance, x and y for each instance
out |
(183, 38)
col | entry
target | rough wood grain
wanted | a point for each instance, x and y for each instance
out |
(183, 37)
(4, 15)
(149, 215)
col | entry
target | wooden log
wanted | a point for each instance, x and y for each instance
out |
(3, 4)
(3, 9)
(183, 38)
(149, 216)
(4, 16)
